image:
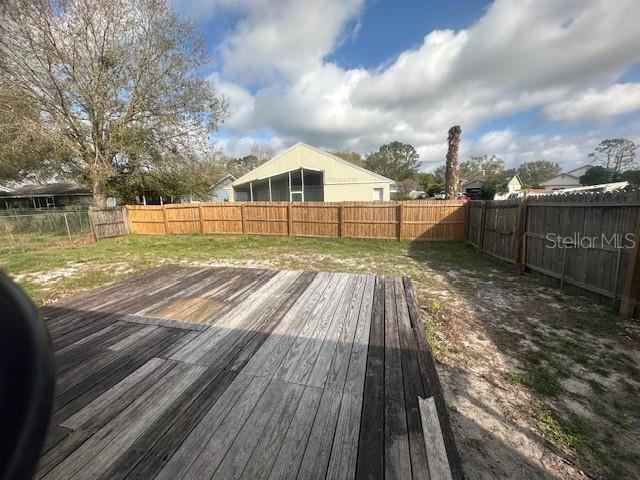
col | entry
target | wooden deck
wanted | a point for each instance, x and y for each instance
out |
(226, 373)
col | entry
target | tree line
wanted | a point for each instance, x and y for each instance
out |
(400, 162)
(614, 161)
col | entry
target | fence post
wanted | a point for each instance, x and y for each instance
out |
(201, 217)
(289, 219)
(632, 282)
(399, 221)
(467, 220)
(521, 238)
(125, 219)
(481, 227)
(242, 217)
(164, 218)
(66, 222)
(340, 224)
(93, 225)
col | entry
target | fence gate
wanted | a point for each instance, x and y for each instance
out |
(108, 222)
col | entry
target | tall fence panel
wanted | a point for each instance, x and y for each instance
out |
(582, 239)
(500, 225)
(433, 220)
(265, 218)
(108, 222)
(147, 220)
(371, 220)
(420, 220)
(221, 218)
(316, 219)
(181, 218)
(587, 240)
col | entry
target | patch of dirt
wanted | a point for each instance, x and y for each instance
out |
(237, 263)
(496, 335)
(50, 277)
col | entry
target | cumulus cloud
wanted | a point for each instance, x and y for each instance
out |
(592, 103)
(285, 38)
(563, 57)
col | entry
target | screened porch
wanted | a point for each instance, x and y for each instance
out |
(300, 185)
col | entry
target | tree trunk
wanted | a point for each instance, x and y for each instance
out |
(452, 173)
(98, 190)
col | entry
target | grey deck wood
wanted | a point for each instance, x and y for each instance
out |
(287, 463)
(198, 372)
(397, 462)
(272, 439)
(436, 452)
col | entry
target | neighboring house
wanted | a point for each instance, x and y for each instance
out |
(51, 195)
(514, 189)
(570, 179)
(473, 187)
(222, 190)
(305, 173)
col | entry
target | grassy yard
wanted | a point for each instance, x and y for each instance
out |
(540, 383)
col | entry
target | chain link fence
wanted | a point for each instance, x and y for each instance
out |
(38, 230)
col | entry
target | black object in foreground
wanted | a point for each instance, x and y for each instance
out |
(26, 382)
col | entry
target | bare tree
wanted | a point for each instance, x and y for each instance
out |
(452, 173)
(615, 154)
(109, 79)
(262, 151)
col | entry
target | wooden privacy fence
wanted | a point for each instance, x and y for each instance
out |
(585, 240)
(419, 220)
(108, 222)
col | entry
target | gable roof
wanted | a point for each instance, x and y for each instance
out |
(227, 176)
(255, 173)
(49, 189)
(517, 177)
(560, 177)
(481, 179)
(587, 166)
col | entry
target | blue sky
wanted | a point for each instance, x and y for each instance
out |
(526, 79)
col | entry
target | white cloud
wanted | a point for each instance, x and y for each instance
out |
(592, 103)
(562, 56)
(287, 37)
(497, 140)
(238, 147)
(241, 111)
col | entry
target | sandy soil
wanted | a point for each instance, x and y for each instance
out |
(492, 330)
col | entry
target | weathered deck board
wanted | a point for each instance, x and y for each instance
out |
(198, 372)
(370, 462)
(397, 462)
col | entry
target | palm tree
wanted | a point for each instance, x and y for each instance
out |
(453, 169)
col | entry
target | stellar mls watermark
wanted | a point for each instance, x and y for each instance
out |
(579, 240)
